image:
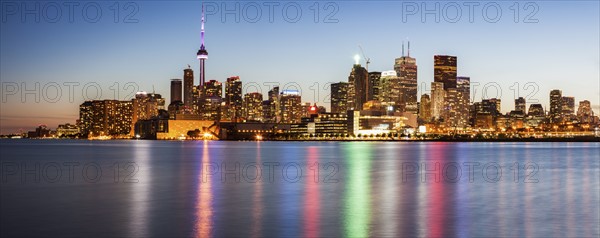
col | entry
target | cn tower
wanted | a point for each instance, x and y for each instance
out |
(202, 53)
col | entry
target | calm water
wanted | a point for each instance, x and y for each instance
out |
(274, 189)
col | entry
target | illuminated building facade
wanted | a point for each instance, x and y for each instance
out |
(291, 106)
(188, 88)
(373, 87)
(106, 118)
(406, 69)
(445, 70)
(253, 106)
(357, 90)
(176, 90)
(555, 113)
(567, 108)
(389, 93)
(584, 112)
(520, 105)
(339, 97)
(437, 99)
(425, 109)
(233, 98)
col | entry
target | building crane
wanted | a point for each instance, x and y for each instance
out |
(367, 59)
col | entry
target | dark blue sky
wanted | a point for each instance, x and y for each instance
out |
(560, 51)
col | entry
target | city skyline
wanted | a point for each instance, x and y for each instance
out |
(11, 117)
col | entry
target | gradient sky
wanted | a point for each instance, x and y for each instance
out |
(560, 51)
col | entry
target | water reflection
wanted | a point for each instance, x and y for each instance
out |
(141, 190)
(257, 201)
(204, 211)
(357, 211)
(312, 199)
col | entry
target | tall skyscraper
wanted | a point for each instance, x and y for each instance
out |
(339, 97)
(520, 105)
(555, 106)
(188, 88)
(437, 99)
(406, 69)
(202, 54)
(274, 111)
(389, 93)
(253, 110)
(425, 110)
(176, 90)
(210, 100)
(451, 109)
(233, 98)
(463, 100)
(445, 70)
(373, 86)
(567, 107)
(291, 106)
(357, 91)
(584, 112)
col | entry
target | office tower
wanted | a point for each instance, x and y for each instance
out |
(266, 111)
(275, 109)
(463, 100)
(188, 88)
(567, 107)
(389, 93)
(357, 90)
(233, 98)
(253, 110)
(176, 90)
(584, 112)
(445, 70)
(406, 69)
(202, 54)
(536, 110)
(520, 105)
(555, 106)
(491, 106)
(425, 109)
(373, 86)
(437, 99)
(291, 106)
(339, 97)
(210, 100)
(451, 105)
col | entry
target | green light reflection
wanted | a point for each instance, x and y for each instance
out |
(357, 207)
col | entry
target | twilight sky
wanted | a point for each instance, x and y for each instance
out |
(559, 51)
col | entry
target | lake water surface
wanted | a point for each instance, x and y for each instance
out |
(81, 188)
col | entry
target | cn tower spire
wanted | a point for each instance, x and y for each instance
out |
(202, 28)
(202, 54)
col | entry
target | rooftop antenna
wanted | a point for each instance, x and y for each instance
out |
(402, 48)
(408, 48)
